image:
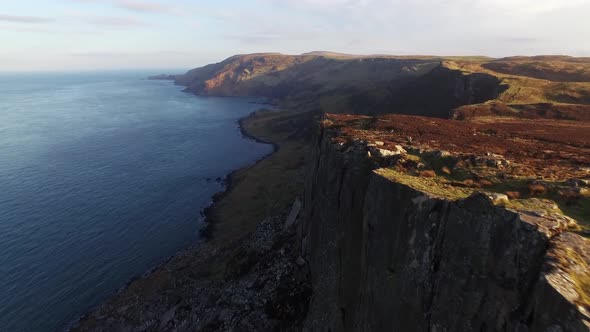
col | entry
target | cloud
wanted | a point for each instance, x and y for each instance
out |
(324, 4)
(530, 6)
(253, 38)
(25, 19)
(115, 21)
(521, 40)
(128, 54)
(272, 33)
(78, 17)
(140, 6)
(443, 27)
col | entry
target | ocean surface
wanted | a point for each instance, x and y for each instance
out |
(102, 177)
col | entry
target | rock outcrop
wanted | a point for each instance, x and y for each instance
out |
(386, 256)
(441, 90)
(255, 284)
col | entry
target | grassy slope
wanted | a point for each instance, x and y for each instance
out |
(556, 87)
(547, 82)
(271, 185)
(264, 189)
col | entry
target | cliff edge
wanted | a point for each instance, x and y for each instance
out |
(407, 231)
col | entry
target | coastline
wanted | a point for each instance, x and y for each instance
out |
(206, 234)
(228, 181)
(252, 196)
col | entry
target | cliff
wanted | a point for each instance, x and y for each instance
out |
(404, 227)
(344, 83)
(409, 223)
(440, 91)
(394, 243)
(419, 85)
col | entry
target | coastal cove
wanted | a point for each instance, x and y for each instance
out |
(104, 176)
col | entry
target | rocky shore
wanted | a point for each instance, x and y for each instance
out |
(228, 182)
(255, 284)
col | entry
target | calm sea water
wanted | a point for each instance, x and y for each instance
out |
(102, 176)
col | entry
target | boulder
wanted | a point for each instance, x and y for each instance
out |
(395, 151)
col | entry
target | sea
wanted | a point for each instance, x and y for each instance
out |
(102, 177)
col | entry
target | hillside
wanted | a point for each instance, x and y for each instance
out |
(530, 87)
(552, 68)
(556, 87)
(307, 81)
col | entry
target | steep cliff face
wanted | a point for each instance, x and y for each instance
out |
(441, 90)
(385, 256)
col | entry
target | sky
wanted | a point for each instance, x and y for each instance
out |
(134, 34)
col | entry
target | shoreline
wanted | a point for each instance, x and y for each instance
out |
(206, 233)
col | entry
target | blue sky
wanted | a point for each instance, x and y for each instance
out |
(110, 34)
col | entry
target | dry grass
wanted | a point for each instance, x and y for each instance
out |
(576, 266)
(435, 186)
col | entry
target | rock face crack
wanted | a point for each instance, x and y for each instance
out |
(527, 286)
(436, 254)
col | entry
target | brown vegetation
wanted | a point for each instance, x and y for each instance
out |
(519, 158)
(524, 111)
(546, 148)
(537, 189)
(427, 174)
(512, 194)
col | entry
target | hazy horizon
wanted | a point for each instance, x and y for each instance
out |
(74, 35)
(146, 70)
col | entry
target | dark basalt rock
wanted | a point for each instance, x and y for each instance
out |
(386, 257)
(262, 287)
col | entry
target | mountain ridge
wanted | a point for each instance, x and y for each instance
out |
(380, 84)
